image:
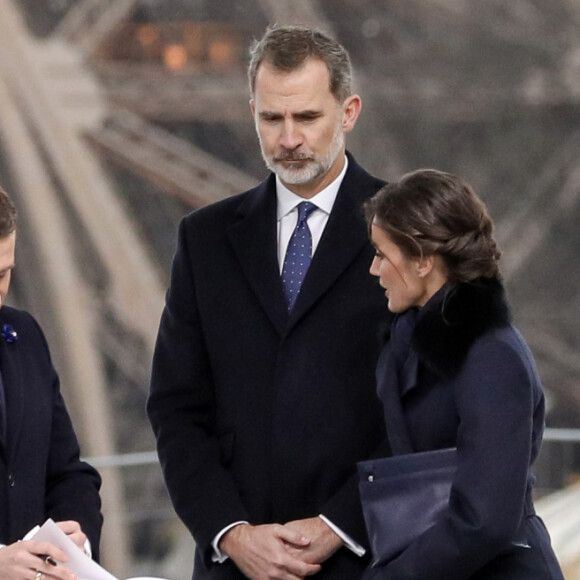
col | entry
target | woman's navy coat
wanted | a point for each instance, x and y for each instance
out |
(467, 379)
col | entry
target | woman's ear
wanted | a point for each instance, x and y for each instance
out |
(425, 266)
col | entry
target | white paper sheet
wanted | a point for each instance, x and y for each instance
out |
(83, 566)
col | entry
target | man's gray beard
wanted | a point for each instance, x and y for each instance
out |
(312, 169)
(299, 176)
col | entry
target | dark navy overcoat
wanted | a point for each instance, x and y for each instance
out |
(259, 415)
(467, 379)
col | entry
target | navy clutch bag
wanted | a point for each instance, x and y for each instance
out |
(402, 497)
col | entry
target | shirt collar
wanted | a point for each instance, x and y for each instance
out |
(324, 200)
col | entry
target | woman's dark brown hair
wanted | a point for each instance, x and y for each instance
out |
(429, 212)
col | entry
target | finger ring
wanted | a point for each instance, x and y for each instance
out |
(38, 576)
(50, 560)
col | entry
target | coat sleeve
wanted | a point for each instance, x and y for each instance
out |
(181, 408)
(344, 509)
(494, 396)
(72, 485)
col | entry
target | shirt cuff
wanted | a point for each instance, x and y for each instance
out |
(218, 556)
(347, 540)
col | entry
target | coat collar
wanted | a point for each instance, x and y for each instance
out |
(254, 240)
(441, 334)
(453, 320)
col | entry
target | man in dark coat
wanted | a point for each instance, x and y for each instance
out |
(41, 475)
(263, 395)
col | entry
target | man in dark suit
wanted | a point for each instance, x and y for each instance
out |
(263, 393)
(41, 475)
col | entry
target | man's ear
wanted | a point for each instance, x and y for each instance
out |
(350, 111)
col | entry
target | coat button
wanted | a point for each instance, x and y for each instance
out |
(11, 480)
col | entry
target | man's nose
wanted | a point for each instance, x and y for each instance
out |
(291, 137)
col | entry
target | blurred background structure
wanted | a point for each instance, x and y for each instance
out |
(117, 117)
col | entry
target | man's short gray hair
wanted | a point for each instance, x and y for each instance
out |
(286, 48)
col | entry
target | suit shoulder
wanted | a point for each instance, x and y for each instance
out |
(502, 351)
(220, 211)
(360, 180)
(505, 339)
(23, 324)
(13, 316)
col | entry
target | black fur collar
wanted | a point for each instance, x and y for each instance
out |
(454, 318)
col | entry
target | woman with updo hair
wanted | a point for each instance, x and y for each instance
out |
(456, 373)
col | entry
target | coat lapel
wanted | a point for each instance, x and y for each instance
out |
(409, 374)
(13, 392)
(388, 389)
(343, 239)
(254, 241)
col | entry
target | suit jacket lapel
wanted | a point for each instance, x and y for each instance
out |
(341, 241)
(254, 240)
(9, 365)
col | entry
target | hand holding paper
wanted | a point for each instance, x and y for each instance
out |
(78, 561)
(21, 559)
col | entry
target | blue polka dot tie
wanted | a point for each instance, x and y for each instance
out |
(298, 255)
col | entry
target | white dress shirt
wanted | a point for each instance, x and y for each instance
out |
(287, 213)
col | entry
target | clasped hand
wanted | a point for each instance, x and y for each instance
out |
(280, 552)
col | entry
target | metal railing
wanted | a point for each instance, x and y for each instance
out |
(150, 457)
